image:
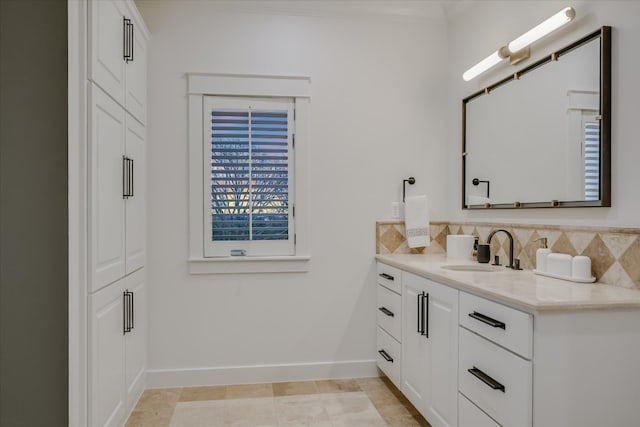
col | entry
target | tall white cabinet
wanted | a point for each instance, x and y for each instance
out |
(116, 220)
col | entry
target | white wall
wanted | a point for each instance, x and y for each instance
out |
(377, 116)
(478, 28)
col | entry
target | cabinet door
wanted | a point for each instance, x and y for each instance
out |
(136, 340)
(106, 31)
(106, 216)
(136, 76)
(135, 206)
(415, 344)
(442, 407)
(106, 357)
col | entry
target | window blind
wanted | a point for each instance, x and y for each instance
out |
(592, 160)
(249, 174)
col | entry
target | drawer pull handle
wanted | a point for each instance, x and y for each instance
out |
(486, 379)
(488, 320)
(385, 356)
(386, 311)
(386, 276)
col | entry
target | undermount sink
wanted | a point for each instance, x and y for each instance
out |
(473, 267)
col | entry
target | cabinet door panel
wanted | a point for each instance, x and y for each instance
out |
(135, 341)
(416, 350)
(107, 66)
(135, 225)
(443, 333)
(106, 357)
(106, 215)
(136, 73)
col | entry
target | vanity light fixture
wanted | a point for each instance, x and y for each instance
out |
(518, 49)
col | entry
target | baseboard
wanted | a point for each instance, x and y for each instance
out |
(161, 378)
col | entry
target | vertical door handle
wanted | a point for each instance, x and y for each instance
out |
(128, 39)
(125, 171)
(125, 312)
(133, 323)
(132, 175)
(425, 312)
(419, 316)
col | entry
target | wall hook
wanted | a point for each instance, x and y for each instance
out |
(411, 180)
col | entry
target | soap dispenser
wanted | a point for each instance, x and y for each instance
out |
(541, 255)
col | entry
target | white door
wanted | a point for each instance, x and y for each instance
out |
(136, 77)
(106, 357)
(106, 216)
(416, 361)
(106, 32)
(136, 339)
(135, 207)
(442, 408)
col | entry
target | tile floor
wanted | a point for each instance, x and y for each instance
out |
(367, 402)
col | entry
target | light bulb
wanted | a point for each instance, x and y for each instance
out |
(542, 29)
(482, 66)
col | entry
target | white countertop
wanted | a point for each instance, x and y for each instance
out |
(520, 289)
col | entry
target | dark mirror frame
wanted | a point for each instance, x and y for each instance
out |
(604, 34)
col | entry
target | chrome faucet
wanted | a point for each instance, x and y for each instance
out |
(517, 267)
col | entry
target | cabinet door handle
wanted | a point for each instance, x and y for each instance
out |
(125, 172)
(420, 314)
(386, 276)
(425, 313)
(386, 311)
(131, 177)
(495, 385)
(133, 323)
(385, 356)
(488, 320)
(127, 47)
(126, 314)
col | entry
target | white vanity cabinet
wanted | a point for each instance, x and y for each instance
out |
(528, 352)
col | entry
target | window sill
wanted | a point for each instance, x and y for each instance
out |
(247, 264)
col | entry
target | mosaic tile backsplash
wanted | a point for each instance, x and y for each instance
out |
(614, 252)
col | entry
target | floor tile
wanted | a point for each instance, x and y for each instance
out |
(258, 412)
(337, 386)
(158, 398)
(150, 418)
(302, 410)
(294, 388)
(352, 410)
(190, 394)
(199, 414)
(244, 391)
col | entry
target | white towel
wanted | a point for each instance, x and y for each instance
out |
(416, 221)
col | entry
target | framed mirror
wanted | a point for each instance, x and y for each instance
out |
(542, 136)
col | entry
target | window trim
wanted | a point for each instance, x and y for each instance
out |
(200, 85)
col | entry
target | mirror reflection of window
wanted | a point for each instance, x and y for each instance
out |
(591, 155)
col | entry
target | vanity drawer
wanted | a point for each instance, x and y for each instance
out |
(496, 380)
(470, 416)
(510, 328)
(389, 312)
(390, 277)
(389, 356)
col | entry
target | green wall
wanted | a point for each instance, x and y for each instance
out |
(33, 213)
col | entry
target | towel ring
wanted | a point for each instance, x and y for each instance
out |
(411, 180)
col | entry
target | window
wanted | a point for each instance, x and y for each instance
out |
(245, 174)
(249, 185)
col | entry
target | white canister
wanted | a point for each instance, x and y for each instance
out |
(581, 267)
(559, 264)
(460, 246)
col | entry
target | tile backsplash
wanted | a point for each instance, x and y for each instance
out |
(614, 252)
